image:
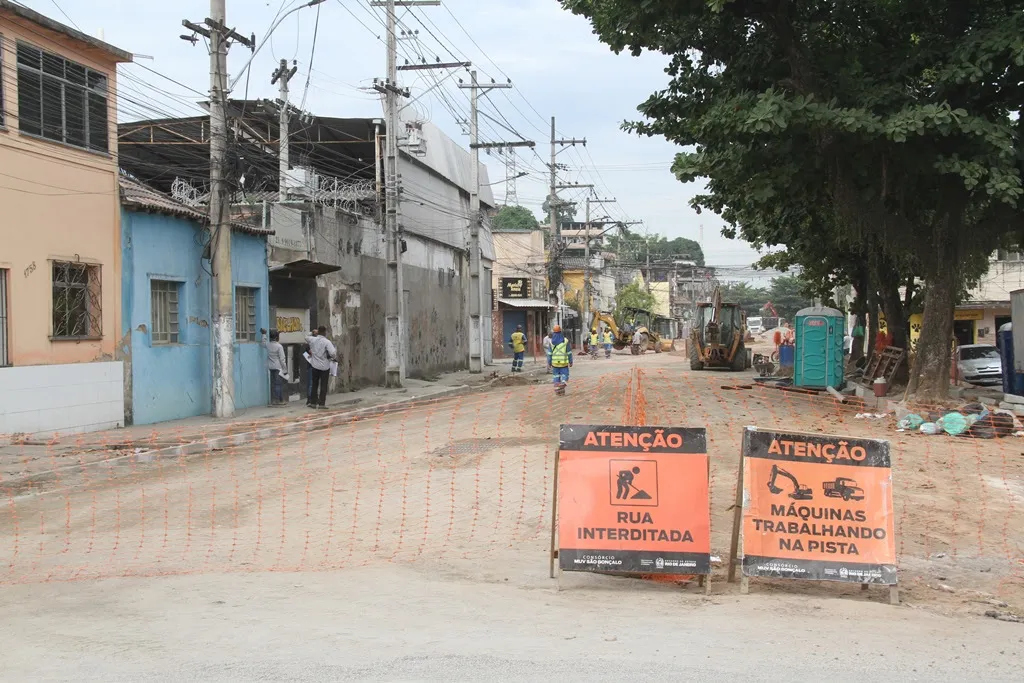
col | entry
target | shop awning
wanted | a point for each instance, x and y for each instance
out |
(303, 269)
(526, 303)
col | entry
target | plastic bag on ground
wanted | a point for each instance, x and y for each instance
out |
(929, 428)
(910, 421)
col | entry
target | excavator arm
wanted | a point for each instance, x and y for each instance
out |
(799, 492)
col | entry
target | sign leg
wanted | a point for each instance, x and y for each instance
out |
(554, 520)
(744, 585)
(737, 515)
(894, 595)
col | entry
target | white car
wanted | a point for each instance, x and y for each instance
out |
(979, 364)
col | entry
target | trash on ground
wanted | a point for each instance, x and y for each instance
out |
(910, 421)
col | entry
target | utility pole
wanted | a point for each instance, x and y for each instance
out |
(394, 308)
(476, 289)
(215, 29)
(281, 76)
(586, 261)
(553, 200)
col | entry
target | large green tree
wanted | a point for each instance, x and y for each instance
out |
(888, 122)
(514, 218)
(635, 246)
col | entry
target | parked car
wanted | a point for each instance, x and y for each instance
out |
(979, 364)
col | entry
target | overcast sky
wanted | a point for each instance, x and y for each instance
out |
(556, 64)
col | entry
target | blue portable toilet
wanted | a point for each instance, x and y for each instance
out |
(819, 359)
(1013, 382)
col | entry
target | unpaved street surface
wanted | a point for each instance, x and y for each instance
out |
(414, 545)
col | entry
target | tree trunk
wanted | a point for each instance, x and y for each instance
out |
(929, 380)
(860, 309)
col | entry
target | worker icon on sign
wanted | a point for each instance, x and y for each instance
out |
(633, 482)
(625, 483)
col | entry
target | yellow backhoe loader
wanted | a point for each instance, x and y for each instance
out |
(716, 340)
(637, 320)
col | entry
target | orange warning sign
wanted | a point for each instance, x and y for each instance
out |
(633, 500)
(818, 507)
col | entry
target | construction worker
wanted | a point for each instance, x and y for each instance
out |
(547, 351)
(594, 341)
(561, 360)
(607, 343)
(518, 343)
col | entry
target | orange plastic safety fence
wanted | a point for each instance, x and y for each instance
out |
(464, 484)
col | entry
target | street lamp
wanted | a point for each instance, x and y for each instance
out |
(236, 79)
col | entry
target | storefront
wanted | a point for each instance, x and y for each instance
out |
(513, 306)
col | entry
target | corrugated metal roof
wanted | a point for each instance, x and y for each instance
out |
(136, 195)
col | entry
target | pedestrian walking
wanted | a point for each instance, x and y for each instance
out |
(518, 343)
(321, 354)
(594, 341)
(607, 343)
(277, 364)
(561, 360)
(547, 351)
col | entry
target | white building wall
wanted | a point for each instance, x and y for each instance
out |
(61, 399)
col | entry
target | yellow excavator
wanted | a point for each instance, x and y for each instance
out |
(637, 320)
(716, 341)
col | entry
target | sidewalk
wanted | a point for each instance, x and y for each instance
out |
(40, 459)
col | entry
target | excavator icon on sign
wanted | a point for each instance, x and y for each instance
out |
(799, 492)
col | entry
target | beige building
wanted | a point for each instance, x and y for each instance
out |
(519, 283)
(60, 295)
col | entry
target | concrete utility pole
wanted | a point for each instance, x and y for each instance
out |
(586, 260)
(553, 197)
(216, 30)
(394, 309)
(476, 288)
(281, 76)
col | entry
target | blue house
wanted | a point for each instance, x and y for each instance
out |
(166, 303)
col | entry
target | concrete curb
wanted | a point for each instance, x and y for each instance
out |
(225, 441)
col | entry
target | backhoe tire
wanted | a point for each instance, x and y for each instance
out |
(695, 362)
(657, 346)
(739, 361)
(634, 349)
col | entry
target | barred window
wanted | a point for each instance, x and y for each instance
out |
(245, 314)
(164, 299)
(61, 100)
(76, 301)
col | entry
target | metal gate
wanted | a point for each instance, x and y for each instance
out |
(5, 356)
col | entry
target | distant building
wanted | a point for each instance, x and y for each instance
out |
(60, 258)
(987, 307)
(520, 289)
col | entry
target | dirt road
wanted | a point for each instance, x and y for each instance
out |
(424, 517)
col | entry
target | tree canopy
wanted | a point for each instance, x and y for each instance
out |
(632, 296)
(882, 133)
(788, 294)
(633, 245)
(514, 218)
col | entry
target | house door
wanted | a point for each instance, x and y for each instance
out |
(511, 318)
(963, 330)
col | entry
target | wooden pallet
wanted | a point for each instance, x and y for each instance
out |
(883, 364)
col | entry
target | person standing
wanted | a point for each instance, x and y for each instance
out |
(607, 343)
(277, 363)
(518, 343)
(561, 360)
(547, 351)
(321, 354)
(594, 341)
